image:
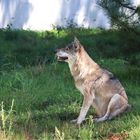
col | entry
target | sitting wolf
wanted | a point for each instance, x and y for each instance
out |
(98, 86)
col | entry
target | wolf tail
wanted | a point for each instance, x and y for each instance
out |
(129, 107)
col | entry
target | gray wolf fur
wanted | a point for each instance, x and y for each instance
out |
(98, 86)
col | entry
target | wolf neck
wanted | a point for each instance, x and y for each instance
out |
(83, 66)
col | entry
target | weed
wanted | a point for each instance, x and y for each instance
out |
(58, 135)
(86, 132)
(6, 120)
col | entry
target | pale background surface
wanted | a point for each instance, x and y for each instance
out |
(42, 14)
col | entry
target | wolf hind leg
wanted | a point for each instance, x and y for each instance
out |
(117, 105)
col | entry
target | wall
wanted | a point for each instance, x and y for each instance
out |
(43, 14)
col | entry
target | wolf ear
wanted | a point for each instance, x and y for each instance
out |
(76, 40)
(77, 44)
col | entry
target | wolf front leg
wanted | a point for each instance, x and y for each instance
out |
(87, 102)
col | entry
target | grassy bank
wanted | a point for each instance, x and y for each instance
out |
(22, 48)
(42, 90)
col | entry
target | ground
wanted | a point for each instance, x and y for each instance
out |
(37, 94)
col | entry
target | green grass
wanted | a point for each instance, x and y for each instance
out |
(45, 98)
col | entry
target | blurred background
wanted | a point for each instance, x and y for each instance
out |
(45, 14)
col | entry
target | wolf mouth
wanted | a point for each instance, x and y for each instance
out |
(62, 58)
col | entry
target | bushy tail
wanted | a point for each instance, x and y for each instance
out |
(129, 107)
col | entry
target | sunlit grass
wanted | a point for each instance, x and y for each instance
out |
(45, 97)
(49, 99)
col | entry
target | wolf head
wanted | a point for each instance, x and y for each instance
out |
(69, 52)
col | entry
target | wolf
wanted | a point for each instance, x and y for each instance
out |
(99, 87)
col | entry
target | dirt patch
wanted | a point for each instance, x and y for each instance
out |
(118, 136)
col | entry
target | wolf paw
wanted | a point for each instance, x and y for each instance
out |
(95, 119)
(74, 121)
(102, 119)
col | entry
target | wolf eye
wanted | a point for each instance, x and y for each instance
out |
(76, 47)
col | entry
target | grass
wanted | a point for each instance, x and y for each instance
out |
(45, 98)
